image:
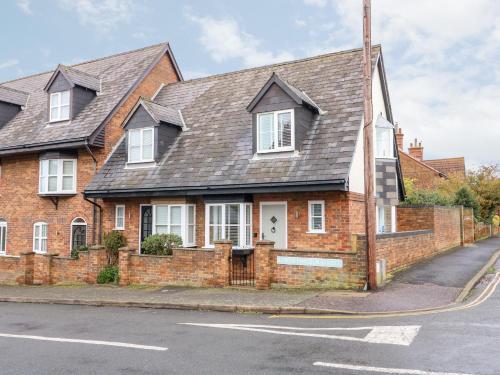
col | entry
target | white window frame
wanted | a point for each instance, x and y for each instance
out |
(141, 131)
(184, 221)
(390, 150)
(310, 216)
(40, 238)
(60, 174)
(3, 236)
(392, 224)
(243, 225)
(75, 223)
(117, 207)
(57, 98)
(275, 131)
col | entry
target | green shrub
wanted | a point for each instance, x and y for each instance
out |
(161, 244)
(75, 251)
(108, 275)
(428, 198)
(112, 242)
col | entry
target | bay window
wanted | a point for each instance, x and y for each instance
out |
(275, 131)
(57, 176)
(179, 219)
(229, 221)
(59, 106)
(384, 142)
(140, 145)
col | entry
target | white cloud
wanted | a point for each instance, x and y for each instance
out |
(443, 74)
(300, 23)
(8, 63)
(101, 15)
(25, 6)
(224, 40)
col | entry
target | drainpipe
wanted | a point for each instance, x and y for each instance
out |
(95, 206)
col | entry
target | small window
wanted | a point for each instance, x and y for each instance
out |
(140, 145)
(275, 131)
(40, 231)
(231, 221)
(176, 219)
(78, 233)
(316, 216)
(57, 176)
(3, 236)
(120, 217)
(59, 106)
(384, 142)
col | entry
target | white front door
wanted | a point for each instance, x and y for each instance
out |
(273, 223)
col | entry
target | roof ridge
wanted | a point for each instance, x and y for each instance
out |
(87, 62)
(324, 55)
(71, 68)
(454, 157)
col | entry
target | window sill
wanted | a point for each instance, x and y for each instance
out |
(51, 122)
(57, 194)
(140, 164)
(118, 228)
(316, 232)
(275, 155)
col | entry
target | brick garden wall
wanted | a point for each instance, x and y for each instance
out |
(482, 231)
(11, 271)
(468, 226)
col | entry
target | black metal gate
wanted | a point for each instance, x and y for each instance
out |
(243, 267)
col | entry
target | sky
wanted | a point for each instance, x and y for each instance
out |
(441, 56)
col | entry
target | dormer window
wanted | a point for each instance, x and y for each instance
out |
(140, 145)
(275, 131)
(57, 176)
(59, 106)
(384, 138)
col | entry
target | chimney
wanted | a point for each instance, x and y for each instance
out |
(416, 150)
(399, 136)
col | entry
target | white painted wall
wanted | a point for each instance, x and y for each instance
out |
(356, 173)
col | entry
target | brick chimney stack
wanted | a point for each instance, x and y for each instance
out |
(399, 136)
(416, 150)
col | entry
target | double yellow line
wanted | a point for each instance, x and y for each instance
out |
(485, 294)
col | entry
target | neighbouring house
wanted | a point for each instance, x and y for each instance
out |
(56, 131)
(269, 153)
(426, 174)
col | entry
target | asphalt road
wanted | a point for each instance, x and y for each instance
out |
(460, 342)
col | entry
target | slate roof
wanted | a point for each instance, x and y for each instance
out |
(163, 113)
(448, 166)
(12, 96)
(118, 75)
(77, 77)
(216, 149)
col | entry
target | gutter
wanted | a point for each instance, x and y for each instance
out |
(337, 185)
(96, 205)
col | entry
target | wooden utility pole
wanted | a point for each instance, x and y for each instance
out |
(368, 145)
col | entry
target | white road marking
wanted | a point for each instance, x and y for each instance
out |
(395, 335)
(384, 369)
(91, 342)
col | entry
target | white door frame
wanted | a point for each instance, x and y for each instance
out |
(275, 203)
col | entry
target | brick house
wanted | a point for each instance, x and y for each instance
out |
(56, 130)
(269, 153)
(426, 174)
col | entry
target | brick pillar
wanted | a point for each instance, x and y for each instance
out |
(262, 264)
(27, 264)
(222, 257)
(124, 264)
(42, 268)
(97, 260)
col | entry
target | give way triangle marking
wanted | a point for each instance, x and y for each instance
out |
(395, 335)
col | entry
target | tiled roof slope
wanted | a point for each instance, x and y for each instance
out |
(77, 77)
(216, 150)
(12, 96)
(448, 166)
(118, 74)
(162, 113)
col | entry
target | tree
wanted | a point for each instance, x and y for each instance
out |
(465, 197)
(485, 183)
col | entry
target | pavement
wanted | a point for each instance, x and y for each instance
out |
(57, 339)
(431, 284)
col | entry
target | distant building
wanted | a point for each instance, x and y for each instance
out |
(426, 174)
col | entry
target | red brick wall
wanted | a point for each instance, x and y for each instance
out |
(20, 204)
(11, 271)
(351, 276)
(481, 231)
(468, 226)
(344, 215)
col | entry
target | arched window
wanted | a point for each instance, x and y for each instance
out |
(3, 236)
(40, 234)
(78, 233)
